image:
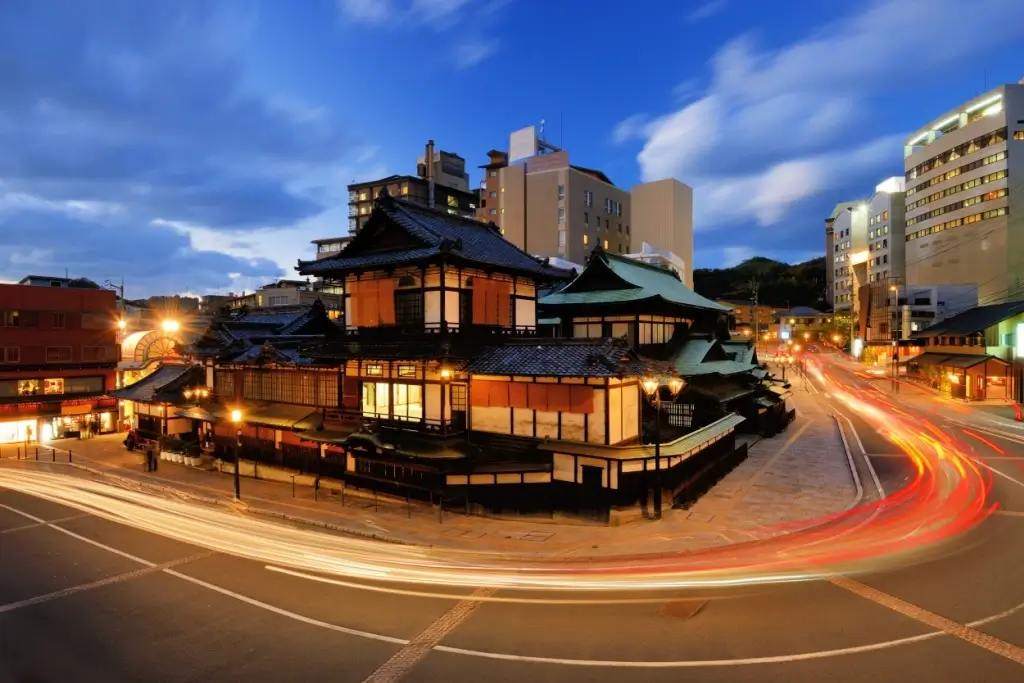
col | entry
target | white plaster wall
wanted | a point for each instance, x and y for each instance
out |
(547, 424)
(630, 411)
(572, 426)
(614, 411)
(432, 307)
(451, 307)
(432, 398)
(522, 421)
(595, 426)
(526, 313)
(488, 419)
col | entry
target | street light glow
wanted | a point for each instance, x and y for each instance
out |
(170, 326)
(236, 416)
(121, 324)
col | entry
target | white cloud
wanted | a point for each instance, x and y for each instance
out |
(706, 10)
(472, 52)
(439, 15)
(787, 114)
(632, 128)
(366, 11)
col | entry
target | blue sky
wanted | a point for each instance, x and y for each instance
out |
(197, 146)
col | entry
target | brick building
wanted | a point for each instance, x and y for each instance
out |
(58, 359)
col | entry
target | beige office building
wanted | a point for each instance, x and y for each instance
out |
(962, 170)
(549, 207)
(662, 216)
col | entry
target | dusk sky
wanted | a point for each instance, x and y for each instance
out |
(199, 146)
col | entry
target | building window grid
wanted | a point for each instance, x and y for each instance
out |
(969, 147)
(281, 386)
(970, 184)
(966, 168)
(409, 308)
(956, 206)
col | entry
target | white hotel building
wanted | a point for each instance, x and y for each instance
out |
(963, 172)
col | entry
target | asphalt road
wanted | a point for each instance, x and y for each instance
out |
(84, 599)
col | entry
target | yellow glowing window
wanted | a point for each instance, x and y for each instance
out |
(586, 239)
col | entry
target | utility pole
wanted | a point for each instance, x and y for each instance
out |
(754, 286)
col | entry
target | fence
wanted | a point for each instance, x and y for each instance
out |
(35, 452)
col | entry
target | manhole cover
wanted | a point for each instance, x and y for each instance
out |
(682, 609)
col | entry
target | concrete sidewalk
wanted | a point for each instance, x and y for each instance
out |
(802, 474)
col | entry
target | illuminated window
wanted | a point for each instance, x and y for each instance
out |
(53, 386)
(375, 399)
(363, 196)
(586, 239)
(406, 370)
(374, 370)
(1019, 135)
(453, 201)
(408, 401)
(606, 244)
(405, 189)
(28, 387)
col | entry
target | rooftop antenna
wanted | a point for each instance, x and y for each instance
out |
(561, 128)
(541, 136)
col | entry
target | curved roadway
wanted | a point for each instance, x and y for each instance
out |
(929, 584)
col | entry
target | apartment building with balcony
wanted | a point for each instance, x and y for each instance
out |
(963, 225)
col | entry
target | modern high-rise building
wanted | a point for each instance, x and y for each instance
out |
(549, 207)
(885, 238)
(662, 216)
(962, 224)
(846, 237)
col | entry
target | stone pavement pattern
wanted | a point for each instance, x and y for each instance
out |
(798, 475)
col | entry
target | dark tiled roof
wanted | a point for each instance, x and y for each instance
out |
(437, 231)
(610, 357)
(974, 320)
(148, 388)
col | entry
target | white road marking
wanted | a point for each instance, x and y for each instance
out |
(749, 661)
(126, 576)
(1009, 513)
(217, 589)
(865, 458)
(419, 647)
(38, 525)
(953, 628)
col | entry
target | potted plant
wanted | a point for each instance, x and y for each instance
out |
(193, 456)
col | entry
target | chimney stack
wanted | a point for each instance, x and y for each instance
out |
(429, 163)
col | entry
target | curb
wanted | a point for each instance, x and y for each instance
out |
(1010, 436)
(853, 467)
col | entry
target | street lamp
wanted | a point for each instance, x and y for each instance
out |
(446, 375)
(651, 386)
(236, 418)
(170, 326)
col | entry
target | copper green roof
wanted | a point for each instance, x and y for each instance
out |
(637, 281)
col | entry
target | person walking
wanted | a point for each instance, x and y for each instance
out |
(149, 460)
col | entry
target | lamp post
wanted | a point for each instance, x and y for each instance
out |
(651, 386)
(236, 418)
(446, 375)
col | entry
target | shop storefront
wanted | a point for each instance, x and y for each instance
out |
(18, 431)
(77, 423)
(970, 377)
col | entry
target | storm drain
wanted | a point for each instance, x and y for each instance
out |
(682, 609)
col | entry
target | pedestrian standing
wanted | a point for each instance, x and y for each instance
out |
(149, 460)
